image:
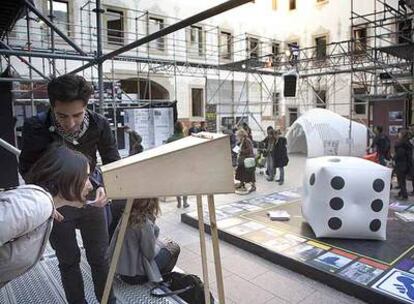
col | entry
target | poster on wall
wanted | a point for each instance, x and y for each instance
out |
(395, 116)
(393, 129)
(154, 125)
(211, 117)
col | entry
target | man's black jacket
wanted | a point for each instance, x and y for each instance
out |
(38, 134)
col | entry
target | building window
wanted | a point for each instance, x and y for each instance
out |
(320, 99)
(253, 47)
(196, 40)
(293, 115)
(275, 49)
(360, 105)
(60, 15)
(404, 31)
(226, 45)
(155, 25)
(197, 97)
(274, 5)
(292, 5)
(320, 43)
(115, 27)
(360, 40)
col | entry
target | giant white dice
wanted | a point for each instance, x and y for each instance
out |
(346, 197)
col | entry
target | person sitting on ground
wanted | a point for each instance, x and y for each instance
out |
(280, 156)
(60, 177)
(245, 175)
(143, 256)
(193, 129)
(179, 134)
(203, 126)
(135, 141)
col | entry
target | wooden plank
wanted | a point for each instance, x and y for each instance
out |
(117, 251)
(194, 159)
(203, 248)
(216, 249)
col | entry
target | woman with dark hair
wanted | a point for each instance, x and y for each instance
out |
(243, 174)
(143, 256)
(64, 173)
(280, 156)
(402, 161)
(59, 178)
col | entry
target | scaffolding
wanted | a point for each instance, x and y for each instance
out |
(241, 75)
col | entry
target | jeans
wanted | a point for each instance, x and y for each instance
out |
(94, 230)
(281, 174)
(402, 182)
(165, 262)
(271, 170)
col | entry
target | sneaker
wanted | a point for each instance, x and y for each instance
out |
(281, 183)
(242, 189)
(269, 179)
(252, 188)
(186, 205)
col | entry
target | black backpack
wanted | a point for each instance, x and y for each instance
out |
(188, 287)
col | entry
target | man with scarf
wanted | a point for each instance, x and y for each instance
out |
(70, 123)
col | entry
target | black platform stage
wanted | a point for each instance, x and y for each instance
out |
(374, 271)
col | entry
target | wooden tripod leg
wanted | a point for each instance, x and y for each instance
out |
(216, 249)
(203, 248)
(117, 251)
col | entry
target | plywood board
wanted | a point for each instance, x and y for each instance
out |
(198, 164)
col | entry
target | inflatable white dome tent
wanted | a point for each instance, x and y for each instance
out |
(320, 132)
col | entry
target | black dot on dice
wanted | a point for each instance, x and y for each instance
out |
(337, 183)
(312, 179)
(378, 185)
(334, 223)
(377, 205)
(336, 203)
(375, 225)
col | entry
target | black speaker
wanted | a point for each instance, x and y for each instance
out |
(290, 85)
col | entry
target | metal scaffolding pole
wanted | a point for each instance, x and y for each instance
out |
(168, 30)
(99, 54)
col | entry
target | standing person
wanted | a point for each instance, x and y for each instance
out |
(381, 144)
(246, 128)
(135, 141)
(143, 256)
(269, 143)
(178, 134)
(402, 161)
(280, 156)
(243, 174)
(70, 123)
(193, 129)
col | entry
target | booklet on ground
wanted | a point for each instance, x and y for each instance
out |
(279, 215)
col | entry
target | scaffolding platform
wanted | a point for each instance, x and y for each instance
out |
(404, 51)
(374, 271)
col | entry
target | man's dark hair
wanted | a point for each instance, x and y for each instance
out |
(379, 129)
(68, 88)
(61, 171)
(269, 128)
(178, 127)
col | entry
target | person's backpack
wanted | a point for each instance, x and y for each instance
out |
(188, 287)
(25, 225)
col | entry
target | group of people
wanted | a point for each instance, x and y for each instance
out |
(401, 160)
(59, 155)
(275, 152)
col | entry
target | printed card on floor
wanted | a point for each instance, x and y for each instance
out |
(229, 222)
(305, 252)
(331, 261)
(397, 283)
(361, 273)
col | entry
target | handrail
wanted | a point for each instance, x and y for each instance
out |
(12, 149)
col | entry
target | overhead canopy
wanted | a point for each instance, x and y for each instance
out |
(321, 132)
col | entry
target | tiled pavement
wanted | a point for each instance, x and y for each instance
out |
(247, 278)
